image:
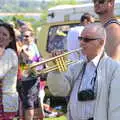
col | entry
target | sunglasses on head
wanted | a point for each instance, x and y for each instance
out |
(87, 39)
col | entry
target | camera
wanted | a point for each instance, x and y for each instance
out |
(86, 95)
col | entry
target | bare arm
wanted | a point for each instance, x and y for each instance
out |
(113, 41)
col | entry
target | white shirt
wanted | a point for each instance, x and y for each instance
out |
(73, 42)
(87, 110)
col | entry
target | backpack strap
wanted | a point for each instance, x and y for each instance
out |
(111, 21)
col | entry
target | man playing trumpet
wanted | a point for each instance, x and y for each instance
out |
(92, 84)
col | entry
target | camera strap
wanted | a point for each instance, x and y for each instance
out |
(84, 67)
(94, 78)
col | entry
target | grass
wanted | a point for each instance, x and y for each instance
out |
(57, 118)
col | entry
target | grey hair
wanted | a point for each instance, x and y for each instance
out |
(98, 29)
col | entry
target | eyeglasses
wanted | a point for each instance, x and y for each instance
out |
(87, 39)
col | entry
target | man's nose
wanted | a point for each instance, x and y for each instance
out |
(82, 42)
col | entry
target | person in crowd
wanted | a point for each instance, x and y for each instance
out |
(8, 73)
(23, 26)
(30, 99)
(19, 42)
(92, 84)
(29, 49)
(105, 11)
(19, 45)
(72, 37)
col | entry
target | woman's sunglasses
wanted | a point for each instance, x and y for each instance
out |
(26, 36)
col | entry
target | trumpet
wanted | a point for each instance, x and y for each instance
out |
(60, 63)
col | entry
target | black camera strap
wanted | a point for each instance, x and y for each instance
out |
(94, 78)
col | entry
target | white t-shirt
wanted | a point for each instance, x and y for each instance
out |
(73, 42)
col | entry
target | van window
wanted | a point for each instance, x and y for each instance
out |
(57, 37)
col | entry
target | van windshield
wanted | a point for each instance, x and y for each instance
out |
(57, 37)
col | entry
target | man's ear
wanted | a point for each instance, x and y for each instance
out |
(101, 42)
(111, 3)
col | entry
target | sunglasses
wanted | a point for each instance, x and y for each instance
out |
(26, 36)
(87, 39)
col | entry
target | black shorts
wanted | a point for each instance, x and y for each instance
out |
(29, 93)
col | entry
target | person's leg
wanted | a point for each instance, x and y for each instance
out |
(29, 114)
(38, 114)
(38, 110)
(28, 100)
(20, 110)
(28, 105)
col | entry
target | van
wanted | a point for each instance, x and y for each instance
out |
(60, 19)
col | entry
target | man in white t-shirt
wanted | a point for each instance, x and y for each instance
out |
(72, 37)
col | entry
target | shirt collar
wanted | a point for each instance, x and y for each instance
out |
(96, 59)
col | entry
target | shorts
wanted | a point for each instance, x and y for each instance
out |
(30, 92)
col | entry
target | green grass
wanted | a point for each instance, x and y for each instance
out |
(57, 118)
